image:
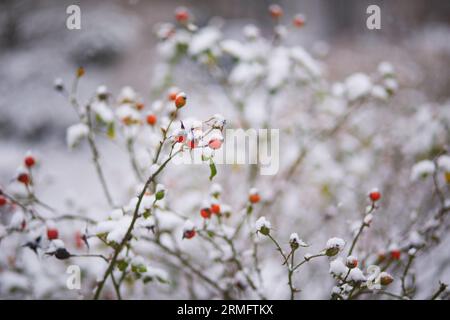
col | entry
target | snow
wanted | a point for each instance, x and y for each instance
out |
(157, 273)
(75, 134)
(12, 280)
(245, 73)
(422, 169)
(219, 120)
(337, 243)
(262, 223)
(204, 40)
(57, 244)
(444, 163)
(278, 68)
(188, 225)
(2, 231)
(215, 189)
(379, 92)
(147, 202)
(17, 219)
(127, 94)
(352, 260)
(251, 31)
(415, 239)
(102, 90)
(299, 55)
(294, 238)
(253, 191)
(119, 230)
(391, 84)
(160, 188)
(385, 68)
(116, 229)
(368, 219)
(356, 275)
(116, 214)
(338, 268)
(235, 49)
(357, 86)
(102, 110)
(127, 112)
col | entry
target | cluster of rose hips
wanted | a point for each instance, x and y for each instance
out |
(23, 176)
(24, 173)
(213, 206)
(179, 99)
(276, 12)
(394, 253)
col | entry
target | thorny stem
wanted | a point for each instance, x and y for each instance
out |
(186, 263)
(161, 143)
(116, 286)
(442, 288)
(95, 158)
(322, 254)
(381, 292)
(240, 267)
(326, 134)
(132, 153)
(358, 234)
(130, 228)
(89, 256)
(405, 273)
(290, 273)
(33, 213)
(290, 266)
(438, 190)
(278, 246)
(90, 137)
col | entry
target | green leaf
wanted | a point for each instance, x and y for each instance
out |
(159, 195)
(122, 265)
(147, 214)
(213, 170)
(110, 131)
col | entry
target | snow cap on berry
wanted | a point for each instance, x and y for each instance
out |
(374, 195)
(386, 278)
(181, 14)
(333, 246)
(30, 159)
(351, 262)
(275, 11)
(160, 191)
(295, 241)
(251, 31)
(385, 69)
(216, 190)
(102, 92)
(356, 275)
(338, 268)
(188, 229)
(58, 84)
(422, 169)
(263, 226)
(75, 134)
(180, 100)
(127, 95)
(215, 140)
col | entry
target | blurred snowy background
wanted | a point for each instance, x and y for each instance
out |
(117, 47)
